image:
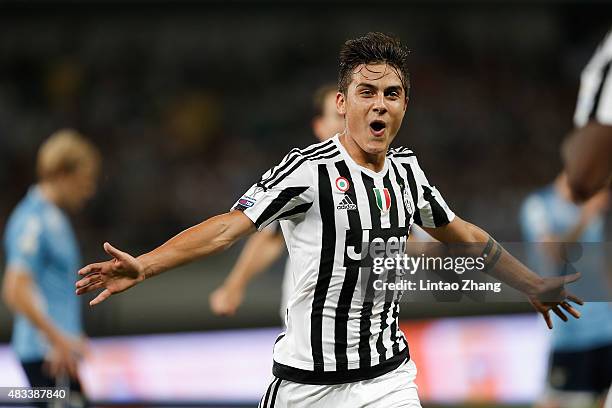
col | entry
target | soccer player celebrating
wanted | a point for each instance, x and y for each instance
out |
(41, 256)
(341, 203)
(262, 249)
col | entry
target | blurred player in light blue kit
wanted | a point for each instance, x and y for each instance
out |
(587, 151)
(42, 256)
(581, 360)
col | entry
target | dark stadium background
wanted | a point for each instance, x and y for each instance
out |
(191, 101)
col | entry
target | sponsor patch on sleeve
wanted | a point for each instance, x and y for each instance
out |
(246, 202)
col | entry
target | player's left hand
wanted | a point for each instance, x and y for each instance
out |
(552, 295)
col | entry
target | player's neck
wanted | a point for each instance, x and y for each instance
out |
(50, 193)
(374, 162)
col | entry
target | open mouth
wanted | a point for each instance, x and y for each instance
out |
(378, 127)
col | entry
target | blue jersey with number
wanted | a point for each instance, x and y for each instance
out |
(39, 240)
(543, 213)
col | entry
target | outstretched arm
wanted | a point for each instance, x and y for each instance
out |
(260, 251)
(503, 266)
(124, 271)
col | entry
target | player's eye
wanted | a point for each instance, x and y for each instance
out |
(367, 92)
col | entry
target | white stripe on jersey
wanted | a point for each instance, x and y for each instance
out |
(338, 329)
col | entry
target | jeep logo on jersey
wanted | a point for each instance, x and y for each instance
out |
(383, 199)
(342, 184)
(379, 247)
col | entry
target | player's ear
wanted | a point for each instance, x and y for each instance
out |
(341, 103)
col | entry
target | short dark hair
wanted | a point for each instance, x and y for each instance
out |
(373, 48)
(318, 99)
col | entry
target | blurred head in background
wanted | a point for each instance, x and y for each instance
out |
(67, 167)
(327, 121)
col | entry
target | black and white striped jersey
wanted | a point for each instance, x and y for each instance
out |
(595, 96)
(337, 216)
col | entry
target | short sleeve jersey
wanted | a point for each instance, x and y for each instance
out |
(336, 217)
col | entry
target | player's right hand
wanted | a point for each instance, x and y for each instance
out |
(225, 300)
(64, 356)
(119, 274)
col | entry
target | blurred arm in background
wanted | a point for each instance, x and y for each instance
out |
(264, 248)
(19, 294)
(587, 152)
(260, 251)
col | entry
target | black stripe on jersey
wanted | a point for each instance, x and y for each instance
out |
(394, 220)
(267, 396)
(354, 237)
(397, 150)
(395, 208)
(326, 156)
(597, 97)
(296, 154)
(406, 348)
(273, 402)
(439, 215)
(326, 266)
(320, 152)
(403, 187)
(292, 155)
(366, 310)
(380, 346)
(394, 335)
(398, 155)
(338, 377)
(298, 209)
(407, 215)
(278, 203)
(414, 192)
(313, 156)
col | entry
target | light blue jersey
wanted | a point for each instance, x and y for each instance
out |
(543, 213)
(39, 240)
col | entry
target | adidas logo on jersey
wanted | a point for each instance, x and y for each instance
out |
(346, 204)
